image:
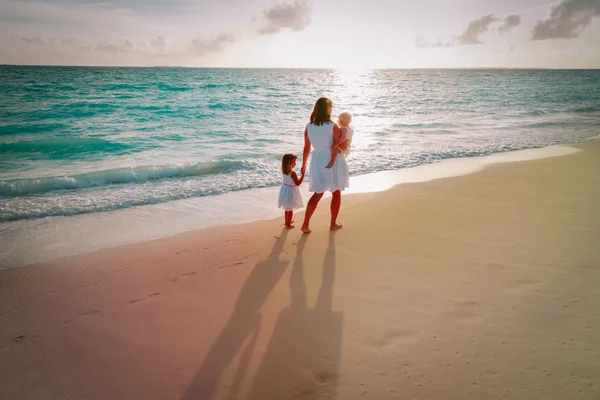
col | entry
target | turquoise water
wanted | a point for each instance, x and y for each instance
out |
(84, 140)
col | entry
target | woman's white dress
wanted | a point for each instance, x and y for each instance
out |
(321, 179)
(290, 198)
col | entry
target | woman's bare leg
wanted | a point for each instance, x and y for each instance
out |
(336, 202)
(310, 209)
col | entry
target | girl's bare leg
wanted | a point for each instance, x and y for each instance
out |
(288, 219)
(336, 202)
(310, 209)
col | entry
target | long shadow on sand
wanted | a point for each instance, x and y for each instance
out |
(302, 359)
(243, 326)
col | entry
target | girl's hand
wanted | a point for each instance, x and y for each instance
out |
(297, 181)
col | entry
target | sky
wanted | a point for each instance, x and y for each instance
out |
(350, 34)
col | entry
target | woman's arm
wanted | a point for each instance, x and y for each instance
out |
(342, 138)
(306, 151)
(297, 181)
(341, 145)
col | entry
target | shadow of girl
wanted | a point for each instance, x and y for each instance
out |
(303, 355)
(243, 324)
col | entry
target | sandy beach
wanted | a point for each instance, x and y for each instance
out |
(483, 286)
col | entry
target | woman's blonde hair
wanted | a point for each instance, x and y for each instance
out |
(345, 117)
(320, 114)
(286, 163)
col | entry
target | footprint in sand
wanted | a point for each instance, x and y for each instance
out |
(144, 299)
(467, 303)
(304, 393)
(401, 336)
(377, 344)
(323, 377)
(465, 310)
(91, 312)
(391, 338)
(524, 285)
(183, 274)
(18, 338)
(231, 265)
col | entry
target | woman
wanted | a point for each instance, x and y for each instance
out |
(321, 133)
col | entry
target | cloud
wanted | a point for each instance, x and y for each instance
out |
(77, 43)
(67, 13)
(107, 47)
(567, 19)
(153, 47)
(295, 15)
(201, 47)
(510, 22)
(141, 6)
(424, 43)
(159, 43)
(475, 29)
(37, 40)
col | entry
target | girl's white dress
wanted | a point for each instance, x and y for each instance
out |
(290, 198)
(321, 179)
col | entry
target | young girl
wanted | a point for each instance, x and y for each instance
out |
(343, 144)
(289, 194)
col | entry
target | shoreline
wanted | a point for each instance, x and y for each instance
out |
(478, 287)
(84, 233)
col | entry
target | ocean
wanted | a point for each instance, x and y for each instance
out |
(85, 140)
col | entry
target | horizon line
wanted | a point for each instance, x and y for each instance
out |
(293, 68)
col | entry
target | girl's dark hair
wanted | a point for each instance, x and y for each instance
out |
(286, 163)
(320, 114)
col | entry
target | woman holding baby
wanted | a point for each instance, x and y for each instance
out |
(328, 171)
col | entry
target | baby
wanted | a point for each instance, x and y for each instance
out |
(344, 121)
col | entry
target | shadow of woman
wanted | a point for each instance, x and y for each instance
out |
(243, 325)
(303, 355)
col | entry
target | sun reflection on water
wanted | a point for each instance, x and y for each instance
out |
(354, 90)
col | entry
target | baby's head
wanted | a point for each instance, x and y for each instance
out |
(345, 118)
(288, 162)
